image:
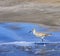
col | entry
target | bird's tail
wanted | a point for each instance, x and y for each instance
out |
(49, 34)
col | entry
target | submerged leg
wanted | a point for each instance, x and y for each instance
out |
(42, 40)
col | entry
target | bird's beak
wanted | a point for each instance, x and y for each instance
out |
(29, 31)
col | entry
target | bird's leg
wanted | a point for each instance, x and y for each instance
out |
(42, 40)
(44, 43)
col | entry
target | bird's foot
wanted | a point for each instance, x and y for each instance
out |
(44, 45)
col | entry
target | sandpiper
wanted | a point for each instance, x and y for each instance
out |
(40, 34)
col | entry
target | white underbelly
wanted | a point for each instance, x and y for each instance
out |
(40, 36)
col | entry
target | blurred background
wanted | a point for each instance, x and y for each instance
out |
(43, 12)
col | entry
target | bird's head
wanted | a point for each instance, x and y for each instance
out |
(33, 30)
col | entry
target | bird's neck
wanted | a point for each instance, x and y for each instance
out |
(34, 31)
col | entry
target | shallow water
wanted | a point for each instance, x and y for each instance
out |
(36, 50)
(16, 39)
(14, 31)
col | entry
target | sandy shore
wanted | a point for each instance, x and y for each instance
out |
(46, 13)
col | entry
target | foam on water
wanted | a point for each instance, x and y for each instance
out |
(22, 43)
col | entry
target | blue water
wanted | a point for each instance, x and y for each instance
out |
(32, 50)
(20, 32)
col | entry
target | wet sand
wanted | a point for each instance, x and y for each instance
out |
(45, 13)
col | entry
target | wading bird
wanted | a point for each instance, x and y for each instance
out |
(40, 34)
